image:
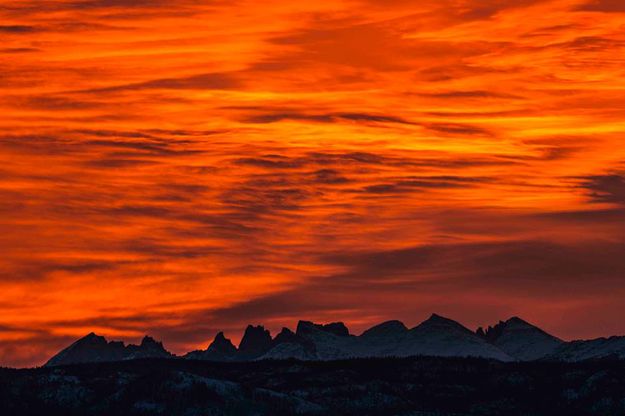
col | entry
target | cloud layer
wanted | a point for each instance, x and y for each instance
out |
(178, 169)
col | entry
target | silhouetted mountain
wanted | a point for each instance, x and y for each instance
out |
(520, 339)
(386, 330)
(437, 336)
(149, 348)
(285, 336)
(323, 342)
(443, 337)
(255, 342)
(288, 344)
(95, 348)
(336, 328)
(600, 348)
(221, 349)
(511, 340)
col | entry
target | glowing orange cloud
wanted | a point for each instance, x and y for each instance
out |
(178, 168)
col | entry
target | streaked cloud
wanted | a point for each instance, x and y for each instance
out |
(180, 168)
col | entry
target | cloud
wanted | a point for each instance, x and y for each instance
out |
(411, 184)
(118, 163)
(19, 50)
(209, 81)
(485, 9)
(55, 103)
(271, 162)
(606, 188)
(455, 11)
(606, 6)
(470, 94)
(329, 176)
(457, 129)
(16, 29)
(39, 269)
(591, 44)
(366, 118)
(419, 278)
(324, 118)
(88, 4)
(444, 159)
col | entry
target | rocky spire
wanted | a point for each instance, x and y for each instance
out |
(255, 342)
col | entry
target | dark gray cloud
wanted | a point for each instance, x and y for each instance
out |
(55, 103)
(329, 176)
(39, 269)
(471, 94)
(17, 29)
(477, 10)
(209, 81)
(606, 188)
(411, 184)
(19, 50)
(118, 163)
(457, 129)
(536, 271)
(606, 6)
(445, 128)
(324, 118)
(271, 162)
(590, 44)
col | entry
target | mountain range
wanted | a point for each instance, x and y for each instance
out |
(511, 340)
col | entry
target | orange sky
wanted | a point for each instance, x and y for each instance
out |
(176, 167)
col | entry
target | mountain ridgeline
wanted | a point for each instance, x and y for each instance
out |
(511, 340)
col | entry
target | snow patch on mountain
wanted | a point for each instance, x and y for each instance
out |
(94, 348)
(613, 347)
(521, 340)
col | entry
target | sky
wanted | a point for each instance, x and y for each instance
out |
(178, 167)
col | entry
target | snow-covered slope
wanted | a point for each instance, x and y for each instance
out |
(443, 337)
(437, 336)
(288, 344)
(613, 347)
(521, 340)
(514, 339)
(329, 342)
(381, 340)
(95, 348)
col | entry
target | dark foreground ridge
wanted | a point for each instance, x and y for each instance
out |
(377, 386)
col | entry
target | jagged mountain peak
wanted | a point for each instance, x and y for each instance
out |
(514, 338)
(255, 331)
(436, 321)
(520, 339)
(336, 328)
(255, 342)
(492, 333)
(95, 348)
(517, 320)
(436, 318)
(92, 338)
(149, 347)
(222, 344)
(285, 335)
(220, 336)
(220, 349)
(149, 341)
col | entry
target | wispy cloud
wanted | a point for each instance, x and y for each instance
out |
(180, 167)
